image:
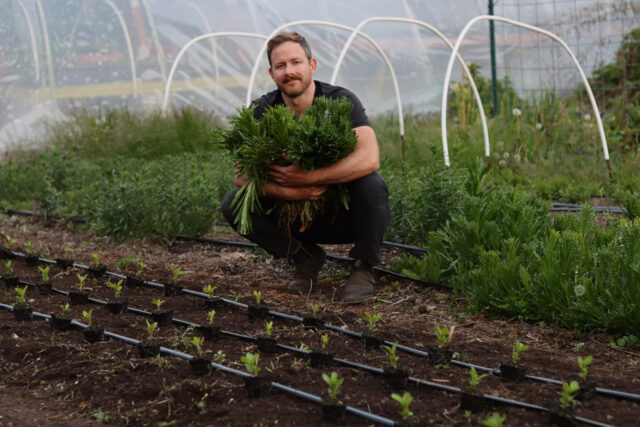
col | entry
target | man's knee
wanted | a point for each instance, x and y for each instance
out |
(225, 206)
(370, 190)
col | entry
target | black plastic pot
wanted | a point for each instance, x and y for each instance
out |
(257, 312)
(148, 348)
(78, 298)
(267, 345)
(214, 303)
(332, 412)
(371, 342)
(44, 288)
(258, 386)
(6, 254)
(10, 282)
(163, 317)
(171, 290)
(97, 271)
(512, 373)
(587, 388)
(473, 400)
(439, 356)
(312, 323)
(562, 417)
(117, 306)
(31, 260)
(60, 323)
(200, 366)
(396, 378)
(209, 332)
(94, 334)
(22, 312)
(64, 263)
(321, 359)
(133, 282)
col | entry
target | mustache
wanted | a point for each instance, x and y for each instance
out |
(290, 79)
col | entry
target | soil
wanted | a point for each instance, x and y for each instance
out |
(56, 378)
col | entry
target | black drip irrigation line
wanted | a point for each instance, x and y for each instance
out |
(344, 362)
(290, 390)
(354, 334)
(572, 207)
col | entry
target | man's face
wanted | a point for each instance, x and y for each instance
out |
(290, 69)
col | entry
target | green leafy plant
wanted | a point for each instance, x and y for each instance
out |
(258, 296)
(404, 400)
(324, 341)
(495, 420)
(392, 354)
(64, 308)
(371, 320)
(443, 336)
(82, 280)
(20, 294)
(117, 288)
(28, 247)
(250, 361)
(151, 328)
(8, 240)
(158, 303)
(209, 290)
(474, 381)
(96, 259)
(87, 316)
(583, 363)
(9, 267)
(198, 342)
(569, 393)
(268, 326)
(176, 272)
(334, 384)
(210, 315)
(219, 357)
(44, 272)
(141, 267)
(518, 348)
(314, 309)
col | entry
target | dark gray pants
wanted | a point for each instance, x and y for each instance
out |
(363, 224)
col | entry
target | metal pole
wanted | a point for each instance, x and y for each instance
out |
(494, 79)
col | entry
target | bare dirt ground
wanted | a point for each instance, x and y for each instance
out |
(56, 378)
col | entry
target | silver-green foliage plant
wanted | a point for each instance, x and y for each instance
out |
(250, 361)
(321, 136)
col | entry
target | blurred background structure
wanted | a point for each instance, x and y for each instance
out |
(57, 56)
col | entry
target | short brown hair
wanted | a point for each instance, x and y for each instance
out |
(287, 36)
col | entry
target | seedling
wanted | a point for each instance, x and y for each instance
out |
(583, 363)
(96, 259)
(219, 357)
(518, 348)
(325, 341)
(177, 272)
(372, 320)
(209, 290)
(197, 342)
(495, 420)
(258, 296)
(117, 288)
(569, 392)
(444, 336)
(20, 294)
(391, 353)
(158, 302)
(64, 308)
(9, 267)
(9, 241)
(314, 309)
(28, 246)
(250, 361)
(475, 378)
(67, 249)
(210, 315)
(87, 316)
(141, 266)
(268, 326)
(404, 401)
(44, 272)
(151, 327)
(334, 384)
(81, 280)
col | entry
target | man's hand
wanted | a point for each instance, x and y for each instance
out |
(289, 176)
(312, 192)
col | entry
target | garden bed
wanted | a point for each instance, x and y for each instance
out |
(52, 377)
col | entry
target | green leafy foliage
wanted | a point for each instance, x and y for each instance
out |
(334, 384)
(404, 401)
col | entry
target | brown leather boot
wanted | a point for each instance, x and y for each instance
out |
(308, 259)
(361, 285)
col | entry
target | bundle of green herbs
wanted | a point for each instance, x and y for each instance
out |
(320, 137)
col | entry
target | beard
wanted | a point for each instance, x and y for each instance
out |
(296, 90)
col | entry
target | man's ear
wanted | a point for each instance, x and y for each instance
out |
(271, 73)
(313, 64)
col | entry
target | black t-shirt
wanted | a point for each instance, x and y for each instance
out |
(358, 116)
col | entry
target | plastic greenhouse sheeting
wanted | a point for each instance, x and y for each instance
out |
(57, 56)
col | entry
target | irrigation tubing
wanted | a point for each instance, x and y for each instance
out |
(290, 390)
(354, 334)
(344, 362)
